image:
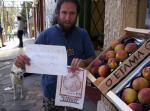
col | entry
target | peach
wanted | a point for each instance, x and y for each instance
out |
(121, 55)
(140, 83)
(136, 106)
(103, 56)
(110, 54)
(112, 63)
(144, 96)
(97, 62)
(114, 43)
(99, 80)
(130, 47)
(129, 95)
(119, 47)
(103, 70)
(94, 70)
(146, 72)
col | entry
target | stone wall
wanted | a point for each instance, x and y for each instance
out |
(118, 15)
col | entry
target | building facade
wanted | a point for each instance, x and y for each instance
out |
(107, 18)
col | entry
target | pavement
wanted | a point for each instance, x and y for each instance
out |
(32, 100)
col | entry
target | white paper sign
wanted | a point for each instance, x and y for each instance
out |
(47, 59)
(70, 89)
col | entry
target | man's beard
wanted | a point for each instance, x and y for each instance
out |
(64, 28)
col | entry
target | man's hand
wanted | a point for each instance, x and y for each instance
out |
(77, 63)
(21, 61)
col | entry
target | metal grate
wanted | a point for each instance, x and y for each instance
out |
(97, 22)
(97, 18)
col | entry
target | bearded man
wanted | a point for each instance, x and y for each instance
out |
(80, 51)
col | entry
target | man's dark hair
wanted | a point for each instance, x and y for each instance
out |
(58, 6)
(60, 2)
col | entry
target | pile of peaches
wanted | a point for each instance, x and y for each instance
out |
(103, 65)
(137, 95)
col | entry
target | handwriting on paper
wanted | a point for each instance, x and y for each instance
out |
(47, 59)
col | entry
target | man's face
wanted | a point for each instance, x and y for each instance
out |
(67, 16)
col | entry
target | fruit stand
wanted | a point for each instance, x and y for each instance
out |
(116, 68)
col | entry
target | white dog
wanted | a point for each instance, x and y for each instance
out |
(16, 76)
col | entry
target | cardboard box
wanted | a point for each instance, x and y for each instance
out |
(127, 65)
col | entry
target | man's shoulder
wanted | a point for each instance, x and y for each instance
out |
(53, 27)
(50, 29)
(82, 30)
(82, 33)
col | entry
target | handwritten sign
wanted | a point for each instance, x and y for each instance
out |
(47, 59)
(70, 89)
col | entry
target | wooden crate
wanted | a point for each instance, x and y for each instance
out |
(114, 95)
(127, 65)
